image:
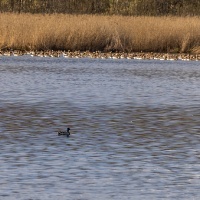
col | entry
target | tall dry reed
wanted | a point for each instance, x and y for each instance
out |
(104, 33)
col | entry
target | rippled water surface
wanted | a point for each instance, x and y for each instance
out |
(135, 130)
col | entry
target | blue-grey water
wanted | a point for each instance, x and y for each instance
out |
(135, 129)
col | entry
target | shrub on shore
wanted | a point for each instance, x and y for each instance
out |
(97, 32)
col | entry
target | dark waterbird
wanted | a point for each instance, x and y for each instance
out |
(67, 133)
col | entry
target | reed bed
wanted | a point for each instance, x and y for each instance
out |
(99, 33)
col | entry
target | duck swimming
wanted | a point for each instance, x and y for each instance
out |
(67, 133)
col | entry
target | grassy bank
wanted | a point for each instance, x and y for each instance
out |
(103, 33)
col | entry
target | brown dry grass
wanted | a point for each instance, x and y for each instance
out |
(104, 33)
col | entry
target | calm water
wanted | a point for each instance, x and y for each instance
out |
(135, 130)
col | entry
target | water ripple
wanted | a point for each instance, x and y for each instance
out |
(135, 129)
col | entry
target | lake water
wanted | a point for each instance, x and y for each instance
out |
(135, 130)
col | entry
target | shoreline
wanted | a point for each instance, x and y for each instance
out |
(103, 55)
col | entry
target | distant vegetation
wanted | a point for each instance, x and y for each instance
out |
(119, 7)
(99, 33)
(101, 25)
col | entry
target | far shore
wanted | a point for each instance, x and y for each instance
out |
(103, 55)
(92, 33)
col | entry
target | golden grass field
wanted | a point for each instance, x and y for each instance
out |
(96, 32)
